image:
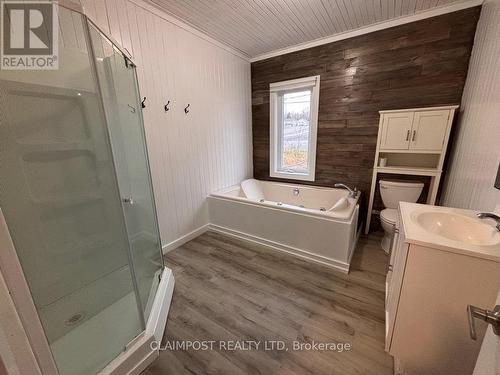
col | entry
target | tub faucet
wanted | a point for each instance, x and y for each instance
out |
(489, 215)
(352, 192)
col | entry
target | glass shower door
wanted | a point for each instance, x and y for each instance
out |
(62, 205)
(117, 79)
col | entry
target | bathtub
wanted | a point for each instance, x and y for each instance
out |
(319, 224)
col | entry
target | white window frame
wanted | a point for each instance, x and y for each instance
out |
(276, 94)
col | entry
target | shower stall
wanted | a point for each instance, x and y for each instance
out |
(77, 205)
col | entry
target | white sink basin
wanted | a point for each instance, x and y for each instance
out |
(458, 227)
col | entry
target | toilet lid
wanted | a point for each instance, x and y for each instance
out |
(389, 215)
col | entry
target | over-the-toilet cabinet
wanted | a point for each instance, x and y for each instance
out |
(414, 130)
(412, 142)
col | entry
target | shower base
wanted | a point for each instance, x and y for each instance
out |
(68, 349)
(136, 356)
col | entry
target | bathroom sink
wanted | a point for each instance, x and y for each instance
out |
(458, 227)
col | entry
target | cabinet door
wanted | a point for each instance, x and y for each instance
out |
(393, 286)
(429, 130)
(396, 128)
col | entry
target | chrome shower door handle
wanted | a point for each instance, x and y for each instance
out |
(128, 200)
(489, 316)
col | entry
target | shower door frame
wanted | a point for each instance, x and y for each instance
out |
(130, 63)
(15, 280)
(93, 67)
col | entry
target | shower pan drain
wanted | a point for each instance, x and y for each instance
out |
(75, 319)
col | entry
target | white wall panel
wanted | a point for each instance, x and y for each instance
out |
(195, 154)
(476, 152)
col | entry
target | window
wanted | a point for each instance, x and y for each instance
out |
(294, 123)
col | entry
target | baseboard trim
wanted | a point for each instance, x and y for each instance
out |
(183, 239)
(339, 266)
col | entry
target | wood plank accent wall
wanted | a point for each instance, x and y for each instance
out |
(419, 64)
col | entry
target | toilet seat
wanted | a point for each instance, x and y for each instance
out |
(389, 215)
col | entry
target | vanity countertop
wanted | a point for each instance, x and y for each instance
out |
(416, 234)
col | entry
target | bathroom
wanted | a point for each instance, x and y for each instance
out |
(214, 187)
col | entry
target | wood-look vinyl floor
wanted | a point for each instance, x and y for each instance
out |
(227, 289)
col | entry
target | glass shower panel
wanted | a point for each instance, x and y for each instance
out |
(60, 198)
(117, 77)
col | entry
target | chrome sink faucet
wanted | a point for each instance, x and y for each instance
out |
(352, 192)
(489, 215)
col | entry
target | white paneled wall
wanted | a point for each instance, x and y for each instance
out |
(209, 148)
(476, 152)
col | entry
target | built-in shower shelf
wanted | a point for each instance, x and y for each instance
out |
(73, 147)
(68, 200)
(83, 246)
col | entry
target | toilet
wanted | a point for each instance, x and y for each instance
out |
(392, 193)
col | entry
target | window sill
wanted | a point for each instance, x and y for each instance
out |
(292, 176)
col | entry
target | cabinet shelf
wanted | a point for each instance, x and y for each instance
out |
(420, 171)
(430, 152)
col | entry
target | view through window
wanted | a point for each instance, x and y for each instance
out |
(293, 124)
(295, 131)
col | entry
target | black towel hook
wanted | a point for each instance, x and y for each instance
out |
(143, 103)
(186, 110)
(166, 106)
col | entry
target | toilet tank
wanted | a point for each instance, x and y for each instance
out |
(393, 192)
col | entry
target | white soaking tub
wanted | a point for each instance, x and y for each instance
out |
(320, 224)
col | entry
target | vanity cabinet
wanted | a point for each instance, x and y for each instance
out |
(422, 130)
(428, 289)
(394, 279)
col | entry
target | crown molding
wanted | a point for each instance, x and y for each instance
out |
(371, 28)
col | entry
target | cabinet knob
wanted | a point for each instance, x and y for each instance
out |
(413, 137)
(408, 135)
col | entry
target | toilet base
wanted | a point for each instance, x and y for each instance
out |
(386, 242)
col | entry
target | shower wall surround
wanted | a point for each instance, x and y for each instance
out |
(191, 154)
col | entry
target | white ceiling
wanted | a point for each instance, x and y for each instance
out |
(257, 27)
